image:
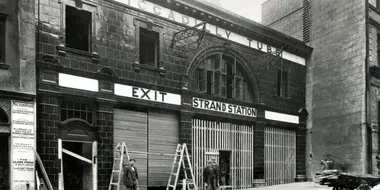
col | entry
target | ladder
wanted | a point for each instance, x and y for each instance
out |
(179, 159)
(117, 169)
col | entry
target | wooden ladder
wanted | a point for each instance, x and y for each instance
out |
(121, 150)
(179, 159)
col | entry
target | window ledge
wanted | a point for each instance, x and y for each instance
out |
(277, 97)
(4, 66)
(63, 49)
(137, 66)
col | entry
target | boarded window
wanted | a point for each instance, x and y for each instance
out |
(149, 44)
(2, 39)
(76, 110)
(78, 28)
(282, 83)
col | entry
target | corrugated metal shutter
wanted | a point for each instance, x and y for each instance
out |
(163, 138)
(131, 127)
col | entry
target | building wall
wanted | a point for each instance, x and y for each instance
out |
(285, 16)
(336, 84)
(20, 47)
(114, 41)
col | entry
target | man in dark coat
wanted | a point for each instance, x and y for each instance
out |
(328, 163)
(131, 176)
(211, 175)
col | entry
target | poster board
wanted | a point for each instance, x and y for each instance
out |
(23, 137)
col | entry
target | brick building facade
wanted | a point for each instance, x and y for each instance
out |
(17, 93)
(342, 87)
(113, 77)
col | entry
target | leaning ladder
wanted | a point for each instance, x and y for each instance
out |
(181, 154)
(121, 150)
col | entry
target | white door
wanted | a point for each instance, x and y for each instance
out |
(78, 165)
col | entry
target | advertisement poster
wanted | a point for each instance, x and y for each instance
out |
(23, 138)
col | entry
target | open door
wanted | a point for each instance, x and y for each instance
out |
(78, 167)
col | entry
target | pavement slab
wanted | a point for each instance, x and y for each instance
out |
(295, 186)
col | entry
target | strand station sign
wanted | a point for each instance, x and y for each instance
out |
(166, 13)
(224, 107)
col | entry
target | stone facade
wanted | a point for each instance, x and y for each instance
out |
(288, 19)
(112, 59)
(17, 76)
(339, 107)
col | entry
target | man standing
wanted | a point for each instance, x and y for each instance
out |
(378, 162)
(328, 163)
(131, 176)
(211, 175)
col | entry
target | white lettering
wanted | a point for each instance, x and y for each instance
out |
(181, 18)
(147, 94)
(224, 107)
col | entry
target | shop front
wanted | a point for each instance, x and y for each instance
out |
(151, 134)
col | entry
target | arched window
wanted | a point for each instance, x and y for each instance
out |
(77, 110)
(3, 116)
(222, 75)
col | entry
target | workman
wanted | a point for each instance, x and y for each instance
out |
(131, 176)
(211, 175)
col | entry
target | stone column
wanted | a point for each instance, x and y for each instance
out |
(259, 178)
(105, 142)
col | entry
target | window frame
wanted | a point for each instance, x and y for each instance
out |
(83, 102)
(222, 58)
(156, 46)
(86, 6)
(283, 83)
(3, 18)
(378, 47)
(150, 26)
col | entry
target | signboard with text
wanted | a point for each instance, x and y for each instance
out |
(224, 33)
(224, 107)
(23, 137)
(147, 94)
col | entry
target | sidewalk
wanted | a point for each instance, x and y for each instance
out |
(295, 186)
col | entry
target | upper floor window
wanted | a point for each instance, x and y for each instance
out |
(149, 47)
(2, 39)
(78, 28)
(378, 49)
(282, 83)
(77, 110)
(223, 76)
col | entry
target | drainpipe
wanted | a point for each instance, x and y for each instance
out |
(366, 127)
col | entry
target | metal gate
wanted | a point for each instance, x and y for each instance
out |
(280, 155)
(210, 137)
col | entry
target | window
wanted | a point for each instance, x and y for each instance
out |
(78, 28)
(2, 39)
(378, 49)
(149, 44)
(282, 83)
(76, 110)
(222, 75)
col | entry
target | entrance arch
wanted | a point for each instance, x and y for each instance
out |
(200, 57)
(77, 152)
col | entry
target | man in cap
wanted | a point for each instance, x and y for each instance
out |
(131, 176)
(211, 175)
(328, 163)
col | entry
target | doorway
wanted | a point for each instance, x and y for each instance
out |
(225, 165)
(4, 162)
(78, 165)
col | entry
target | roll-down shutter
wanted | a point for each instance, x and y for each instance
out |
(131, 127)
(163, 138)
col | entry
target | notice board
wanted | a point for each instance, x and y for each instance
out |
(23, 138)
